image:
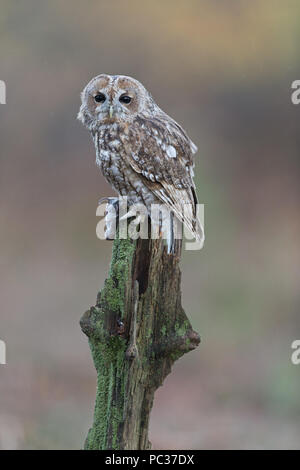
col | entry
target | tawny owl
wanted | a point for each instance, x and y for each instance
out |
(143, 153)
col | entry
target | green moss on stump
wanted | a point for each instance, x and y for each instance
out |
(126, 382)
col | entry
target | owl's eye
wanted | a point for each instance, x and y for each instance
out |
(125, 99)
(100, 98)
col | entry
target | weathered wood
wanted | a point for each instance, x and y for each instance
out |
(136, 331)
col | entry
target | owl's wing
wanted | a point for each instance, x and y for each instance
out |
(160, 151)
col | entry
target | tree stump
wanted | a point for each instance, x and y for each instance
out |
(136, 331)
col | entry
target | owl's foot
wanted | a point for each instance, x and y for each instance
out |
(139, 216)
(110, 201)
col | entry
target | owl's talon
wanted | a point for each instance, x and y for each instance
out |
(130, 213)
(109, 201)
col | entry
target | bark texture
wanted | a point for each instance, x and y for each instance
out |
(136, 331)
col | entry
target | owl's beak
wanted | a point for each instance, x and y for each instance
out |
(111, 111)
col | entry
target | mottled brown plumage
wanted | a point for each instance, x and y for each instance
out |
(143, 153)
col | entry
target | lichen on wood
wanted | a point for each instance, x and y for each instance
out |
(136, 331)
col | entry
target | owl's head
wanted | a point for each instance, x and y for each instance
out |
(112, 98)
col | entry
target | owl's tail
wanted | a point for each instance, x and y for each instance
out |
(173, 243)
(172, 232)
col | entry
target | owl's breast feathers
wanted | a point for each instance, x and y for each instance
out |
(151, 155)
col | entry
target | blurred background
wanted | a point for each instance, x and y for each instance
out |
(224, 71)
